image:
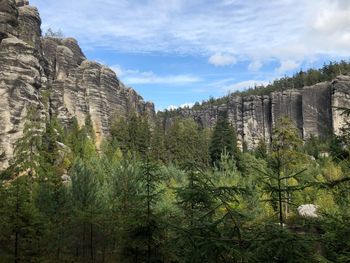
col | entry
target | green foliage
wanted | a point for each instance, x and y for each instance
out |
(26, 150)
(284, 176)
(211, 225)
(223, 140)
(21, 226)
(336, 237)
(298, 81)
(150, 195)
(185, 142)
(132, 135)
(273, 244)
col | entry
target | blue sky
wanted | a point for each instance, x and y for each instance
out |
(176, 52)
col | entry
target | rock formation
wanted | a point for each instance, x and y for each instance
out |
(30, 64)
(312, 109)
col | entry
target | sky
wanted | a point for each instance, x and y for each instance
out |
(177, 52)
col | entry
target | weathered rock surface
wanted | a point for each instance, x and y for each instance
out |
(340, 99)
(312, 109)
(8, 18)
(30, 64)
(317, 110)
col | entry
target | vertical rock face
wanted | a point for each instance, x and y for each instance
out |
(82, 88)
(256, 120)
(8, 18)
(21, 73)
(78, 88)
(340, 99)
(287, 104)
(29, 23)
(317, 110)
(314, 111)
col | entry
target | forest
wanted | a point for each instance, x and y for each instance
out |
(185, 194)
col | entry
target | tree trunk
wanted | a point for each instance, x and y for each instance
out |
(16, 227)
(280, 203)
(91, 243)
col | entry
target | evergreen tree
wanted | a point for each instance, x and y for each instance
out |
(22, 227)
(26, 150)
(85, 195)
(52, 197)
(158, 150)
(184, 142)
(283, 160)
(223, 139)
(211, 226)
(132, 135)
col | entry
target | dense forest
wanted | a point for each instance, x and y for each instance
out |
(186, 194)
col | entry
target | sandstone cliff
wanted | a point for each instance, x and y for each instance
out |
(30, 64)
(312, 109)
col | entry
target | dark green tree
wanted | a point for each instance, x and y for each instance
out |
(26, 150)
(210, 230)
(223, 139)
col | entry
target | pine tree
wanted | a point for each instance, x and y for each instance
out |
(22, 227)
(223, 139)
(26, 150)
(52, 197)
(23, 170)
(210, 230)
(183, 142)
(85, 204)
(283, 163)
(157, 144)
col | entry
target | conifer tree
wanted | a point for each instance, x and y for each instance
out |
(23, 172)
(26, 150)
(223, 139)
(283, 162)
(85, 204)
(157, 144)
(52, 198)
(211, 229)
(183, 141)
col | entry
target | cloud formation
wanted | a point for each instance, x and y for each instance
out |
(132, 77)
(185, 105)
(255, 31)
(287, 65)
(244, 85)
(219, 59)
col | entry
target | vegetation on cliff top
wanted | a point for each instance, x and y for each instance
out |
(299, 80)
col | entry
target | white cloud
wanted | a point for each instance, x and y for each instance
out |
(118, 70)
(229, 2)
(171, 107)
(220, 59)
(279, 30)
(287, 65)
(185, 105)
(132, 76)
(243, 85)
(255, 65)
(152, 78)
